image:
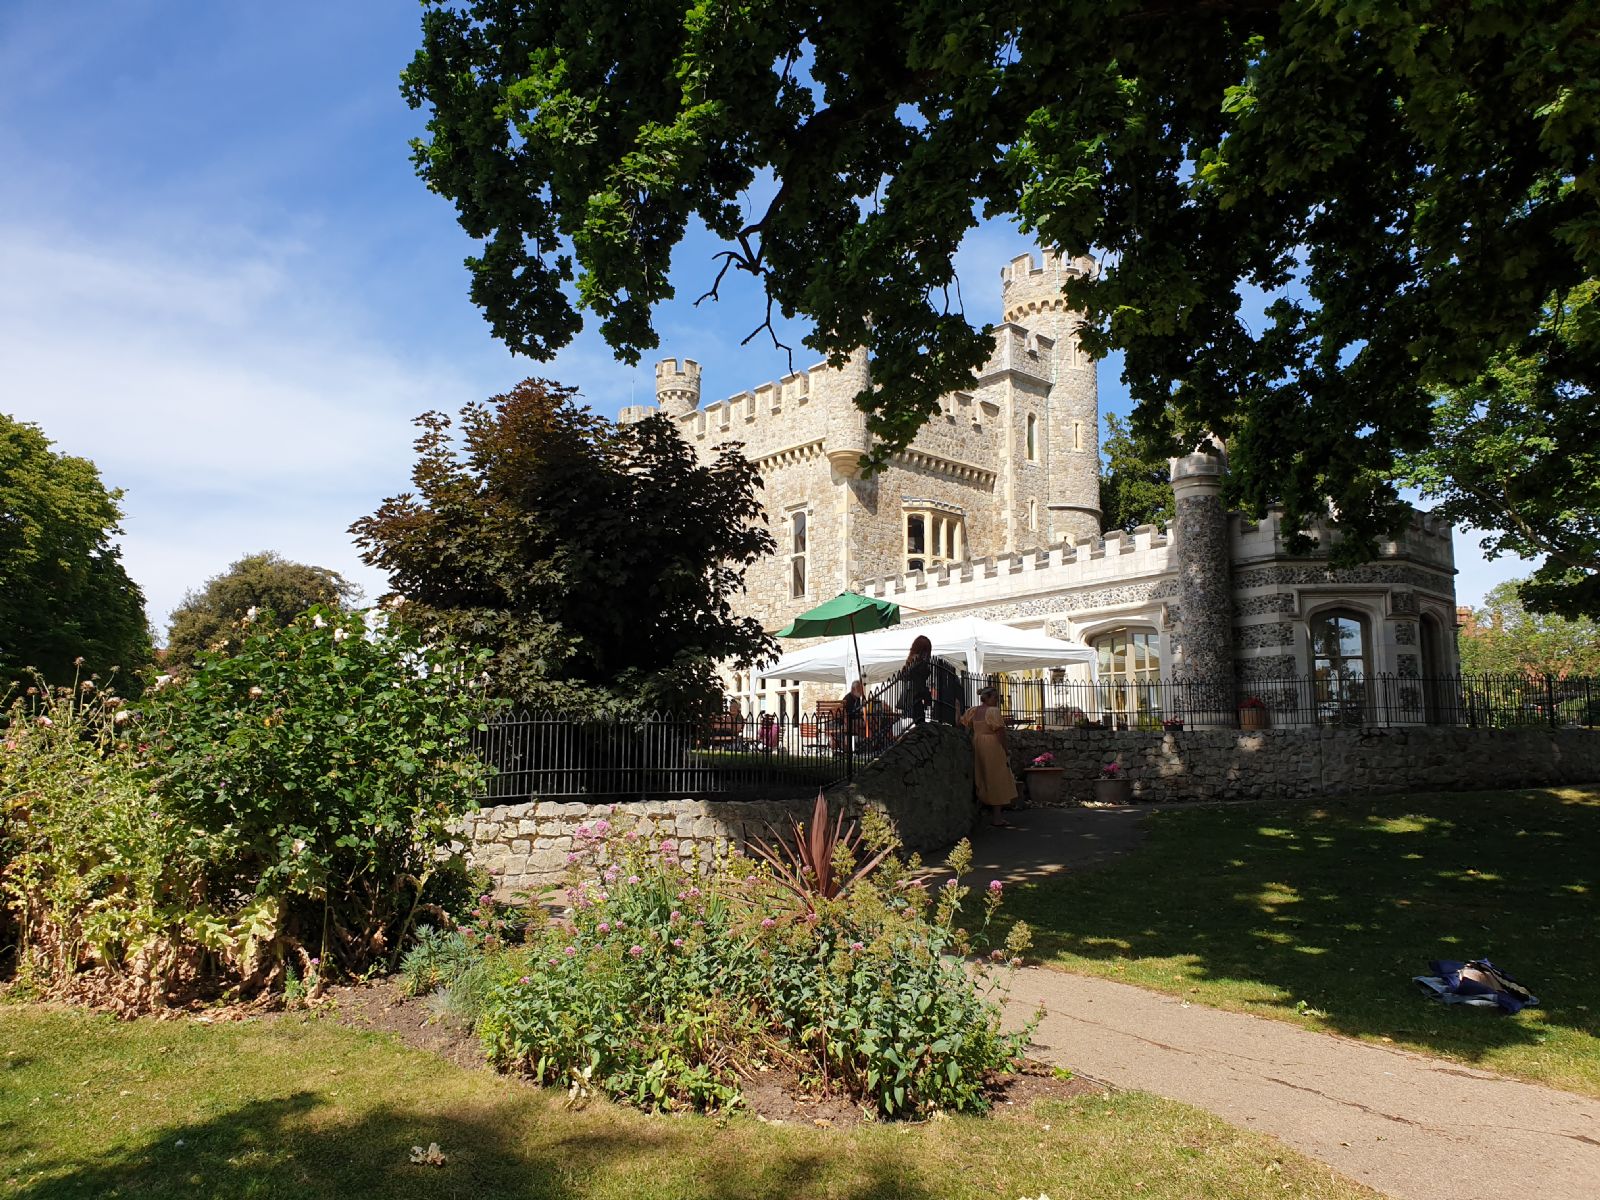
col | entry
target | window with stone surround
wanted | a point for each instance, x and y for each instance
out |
(1130, 673)
(1340, 665)
(1033, 516)
(798, 534)
(935, 534)
(1033, 438)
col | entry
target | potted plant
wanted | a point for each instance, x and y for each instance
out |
(1173, 724)
(1112, 787)
(1044, 780)
(1254, 714)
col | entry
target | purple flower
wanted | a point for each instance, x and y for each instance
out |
(636, 950)
(767, 922)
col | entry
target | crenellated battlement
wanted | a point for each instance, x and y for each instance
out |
(1089, 562)
(1029, 287)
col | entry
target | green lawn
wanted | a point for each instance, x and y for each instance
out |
(306, 1108)
(1321, 914)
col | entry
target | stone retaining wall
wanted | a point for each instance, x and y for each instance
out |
(1222, 764)
(923, 785)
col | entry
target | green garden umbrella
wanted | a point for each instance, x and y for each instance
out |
(845, 613)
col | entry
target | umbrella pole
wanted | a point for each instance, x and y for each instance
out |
(857, 647)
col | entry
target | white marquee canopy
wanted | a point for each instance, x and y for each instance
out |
(982, 647)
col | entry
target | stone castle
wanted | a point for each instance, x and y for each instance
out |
(994, 511)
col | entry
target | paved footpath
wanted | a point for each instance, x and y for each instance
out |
(1408, 1125)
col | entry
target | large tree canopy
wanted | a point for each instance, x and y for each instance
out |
(1515, 452)
(63, 592)
(598, 562)
(1505, 638)
(1135, 485)
(1411, 184)
(211, 618)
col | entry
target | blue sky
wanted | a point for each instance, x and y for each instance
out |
(221, 281)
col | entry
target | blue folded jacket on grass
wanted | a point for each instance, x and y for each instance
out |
(1478, 982)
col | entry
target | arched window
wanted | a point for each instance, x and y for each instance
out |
(1130, 674)
(1340, 666)
(1033, 438)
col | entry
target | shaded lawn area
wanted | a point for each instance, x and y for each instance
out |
(307, 1108)
(1321, 914)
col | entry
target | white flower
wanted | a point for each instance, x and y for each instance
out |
(250, 613)
(340, 634)
(123, 716)
(256, 693)
(299, 845)
(318, 621)
(162, 681)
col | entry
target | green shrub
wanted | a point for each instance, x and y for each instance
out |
(326, 762)
(105, 887)
(663, 984)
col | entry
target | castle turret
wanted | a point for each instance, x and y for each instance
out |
(836, 389)
(1204, 636)
(678, 388)
(1032, 296)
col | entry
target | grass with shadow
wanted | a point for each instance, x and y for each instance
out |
(306, 1108)
(1321, 914)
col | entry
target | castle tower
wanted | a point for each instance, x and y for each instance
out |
(1031, 296)
(678, 388)
(835, 390)
(1204, 635)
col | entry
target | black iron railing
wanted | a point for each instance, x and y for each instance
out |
(1480, 701)
(562, 756)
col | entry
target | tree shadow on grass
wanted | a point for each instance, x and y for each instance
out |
(296, 1146)
(1334, 906)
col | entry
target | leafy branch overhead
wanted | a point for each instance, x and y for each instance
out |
(1424, 171)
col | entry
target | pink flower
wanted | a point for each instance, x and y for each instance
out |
(602, 827)
(570, 951)
(603, 927)
(996, 885)
(571, 858)
(633, 879)
(632, 835)
(767, 922)
(636, 950)
(526, 979)
(677, 941)
(676, 915)
(669, 847)
(856, 946)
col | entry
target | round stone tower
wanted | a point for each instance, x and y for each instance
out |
(1204, 634)
(835, 390)
(1031, 296)
(678, 388)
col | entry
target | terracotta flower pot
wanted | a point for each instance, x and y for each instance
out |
(1044, 784)
(1255, 718)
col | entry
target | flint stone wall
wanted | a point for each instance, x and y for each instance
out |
(1223, 764)
(923, 785)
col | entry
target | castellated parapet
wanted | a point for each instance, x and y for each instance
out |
(678, 386)
(1030, 288)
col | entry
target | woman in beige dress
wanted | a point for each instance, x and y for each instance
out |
(991, 765)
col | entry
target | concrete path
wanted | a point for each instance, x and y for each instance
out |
(1408, 1125)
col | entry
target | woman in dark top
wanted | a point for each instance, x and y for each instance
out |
(916, 679)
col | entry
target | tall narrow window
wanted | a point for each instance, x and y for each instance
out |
(1033, 435)
(916, 542)
(1339, 667)
(797, 553)
(1130, 672)
(1077, 435)
(1033, 516)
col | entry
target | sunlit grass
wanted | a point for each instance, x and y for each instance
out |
(309, 1109)
(1321, 914)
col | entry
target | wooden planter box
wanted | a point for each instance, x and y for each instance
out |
(1255, 718)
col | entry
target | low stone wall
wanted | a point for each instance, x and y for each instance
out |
(1223, 764)
(923, 785)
